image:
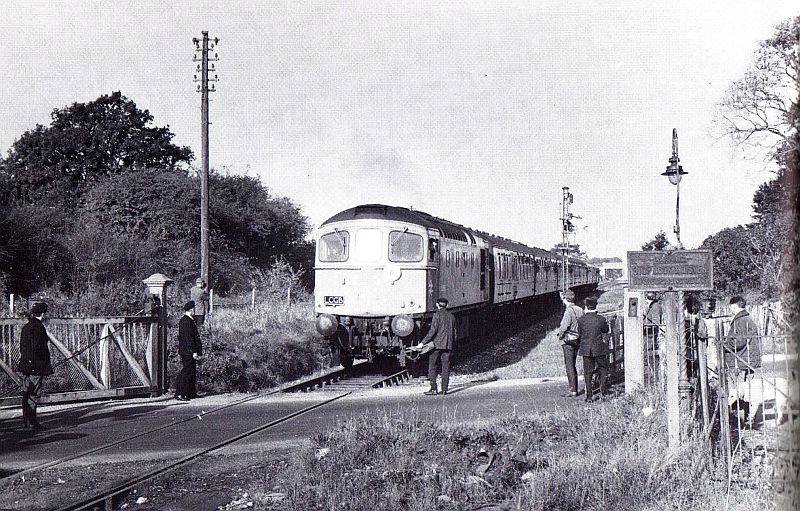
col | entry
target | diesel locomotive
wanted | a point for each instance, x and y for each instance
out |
(379, 270)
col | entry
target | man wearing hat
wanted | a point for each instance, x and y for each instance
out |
(190, 351)
(443, 333)
(593, 347)
(34, 363)
(568, 333)
(199, 296)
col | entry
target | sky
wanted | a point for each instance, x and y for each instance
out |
(477, 112)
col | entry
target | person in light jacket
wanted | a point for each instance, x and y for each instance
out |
(568, 333)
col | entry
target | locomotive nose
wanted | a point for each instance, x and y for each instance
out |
(327, 324)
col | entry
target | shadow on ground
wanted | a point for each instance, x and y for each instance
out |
(59, 424)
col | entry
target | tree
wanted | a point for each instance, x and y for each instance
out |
(761, 108)
(660, 242)
(84, 143)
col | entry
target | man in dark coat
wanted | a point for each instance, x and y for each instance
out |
(593, 347)
(568, 334)
(443, 333)
(190, 351)
(742, 354)
(34, 363)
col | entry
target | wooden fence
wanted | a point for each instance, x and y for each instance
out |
(92, 357)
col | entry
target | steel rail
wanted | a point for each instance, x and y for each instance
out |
(119, 488)
(107, 495)
(64, 459)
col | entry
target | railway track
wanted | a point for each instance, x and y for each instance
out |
(334, 383)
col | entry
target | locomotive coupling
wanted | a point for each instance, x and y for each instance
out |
(327, 324)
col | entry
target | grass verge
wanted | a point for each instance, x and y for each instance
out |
(609, 455)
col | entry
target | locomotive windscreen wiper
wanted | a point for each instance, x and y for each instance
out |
(398, 238)
(341, 236)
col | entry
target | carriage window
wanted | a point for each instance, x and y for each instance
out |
(457, 257)
(464, 259)
(334, 246)
(472, 260)
(405, 247)
(368, 246)
(447, 258)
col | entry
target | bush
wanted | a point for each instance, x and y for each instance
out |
(251, 349)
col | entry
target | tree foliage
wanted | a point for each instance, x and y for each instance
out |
(100, 200)
(659, 242)
(86, 142)
(761, 108)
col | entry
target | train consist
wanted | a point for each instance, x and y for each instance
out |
(379, 270)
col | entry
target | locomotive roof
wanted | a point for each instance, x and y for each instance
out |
(446, 228)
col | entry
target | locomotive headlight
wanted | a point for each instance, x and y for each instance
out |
(402, 325)
(327, 324)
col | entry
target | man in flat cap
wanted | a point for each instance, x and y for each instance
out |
(568, 334)
(190, 351)
(34, 363)
(199, 296)
(443, 333)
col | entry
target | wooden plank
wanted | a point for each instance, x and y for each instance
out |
(131, 360)
(77, 365)
(105, 357)
(81, 395)
(10, 372)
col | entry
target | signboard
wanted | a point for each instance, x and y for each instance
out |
(675, 270)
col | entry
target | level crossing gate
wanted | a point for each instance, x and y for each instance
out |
(92, 358)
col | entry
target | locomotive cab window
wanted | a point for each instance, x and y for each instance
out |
(334, 247)
(405, 247)
(433, 250)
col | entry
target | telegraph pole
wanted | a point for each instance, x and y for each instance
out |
(202, 48)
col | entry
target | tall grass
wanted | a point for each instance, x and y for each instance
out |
(251, 348)
(605, 456)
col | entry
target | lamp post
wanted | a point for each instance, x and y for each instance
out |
(675, 172)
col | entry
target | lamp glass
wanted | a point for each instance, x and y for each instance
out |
(674, 177)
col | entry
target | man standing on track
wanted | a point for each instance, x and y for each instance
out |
(593, 347)
(443, 333)
(568, 333)
(199, 296)
(190, 350)
(34, 363)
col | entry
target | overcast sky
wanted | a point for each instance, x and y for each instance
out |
(478, 112)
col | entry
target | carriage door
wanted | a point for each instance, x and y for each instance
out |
(484, 274)
(434, 270)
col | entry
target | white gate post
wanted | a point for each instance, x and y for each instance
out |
(634, 342)
(157, 286)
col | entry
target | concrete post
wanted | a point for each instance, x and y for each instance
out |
(157, 287)
(673, 369)
(634, 342)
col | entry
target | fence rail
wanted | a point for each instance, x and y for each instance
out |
(91, 357)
